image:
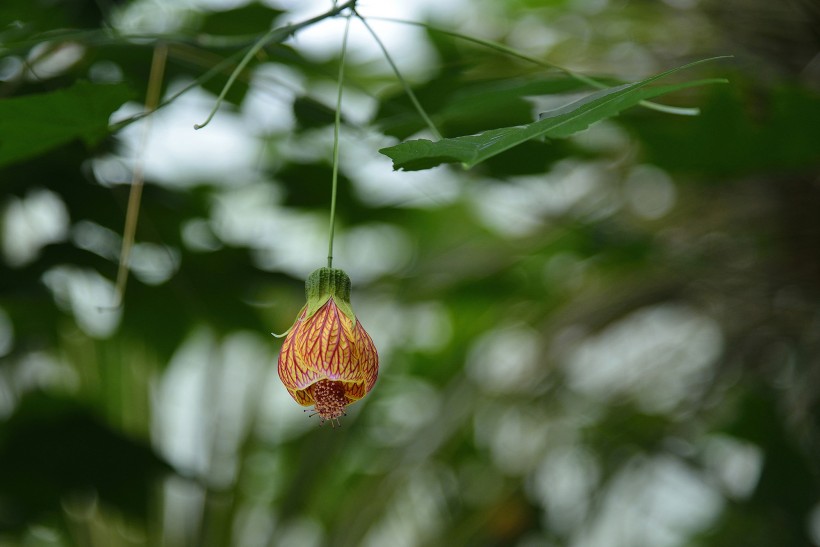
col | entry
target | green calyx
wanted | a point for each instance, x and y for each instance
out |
(324, 284)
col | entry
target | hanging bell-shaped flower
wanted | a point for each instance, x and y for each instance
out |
(327, 359)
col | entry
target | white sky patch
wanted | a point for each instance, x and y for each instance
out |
(110, 170)
(428, 327)
(371, 173)
(407, 44)
(505, 360)
(88, 296)
(280, 236)
(603, 137)
(151, 17)
(222, 153)
(378, 185)
(735, 463)
(41, 371)
(151, 263)
(520, 205)
(421, 326)
(47, 59)
(659, 502)
(268, 105)
(404, 407)
(251, 216)
(631, 61)
(358, 106)
(372, 250)
(297, 247)
(452, 10)
(97, 239)
(280, 417)
(154, 264)
(204, 401)
(105, 72)
(565, 484)
(531, 36)
(650, 191)
(301, 531)
(657, 354)
(516, 437)
(198, 236)
(31, 223)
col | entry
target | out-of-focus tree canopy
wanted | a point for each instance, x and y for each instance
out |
(609, 337)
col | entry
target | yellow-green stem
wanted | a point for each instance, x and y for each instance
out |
(336, 125)
(407, 89)
(135, 196)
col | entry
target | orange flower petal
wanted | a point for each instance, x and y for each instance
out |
(327, 354)
(328, 346)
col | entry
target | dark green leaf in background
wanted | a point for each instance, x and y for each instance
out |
(53, 447)
(33, 124)
(311, 113)
(253, 18)
(728, 137)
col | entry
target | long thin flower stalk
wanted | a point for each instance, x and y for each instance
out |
(336, 125)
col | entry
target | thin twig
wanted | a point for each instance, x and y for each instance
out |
(213, 71)
(135, 196)
(407, 88)
(278, 34)
(682, 111)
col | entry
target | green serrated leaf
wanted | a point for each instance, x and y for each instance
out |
(560, 123)
(33, 124)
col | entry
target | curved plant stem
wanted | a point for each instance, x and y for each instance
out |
(682, 111)
(401, 79)
(210, 73)
(262, 42)
(135, 196)
(337, 123)
(278, 34)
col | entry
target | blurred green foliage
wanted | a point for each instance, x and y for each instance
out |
(610, 339)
